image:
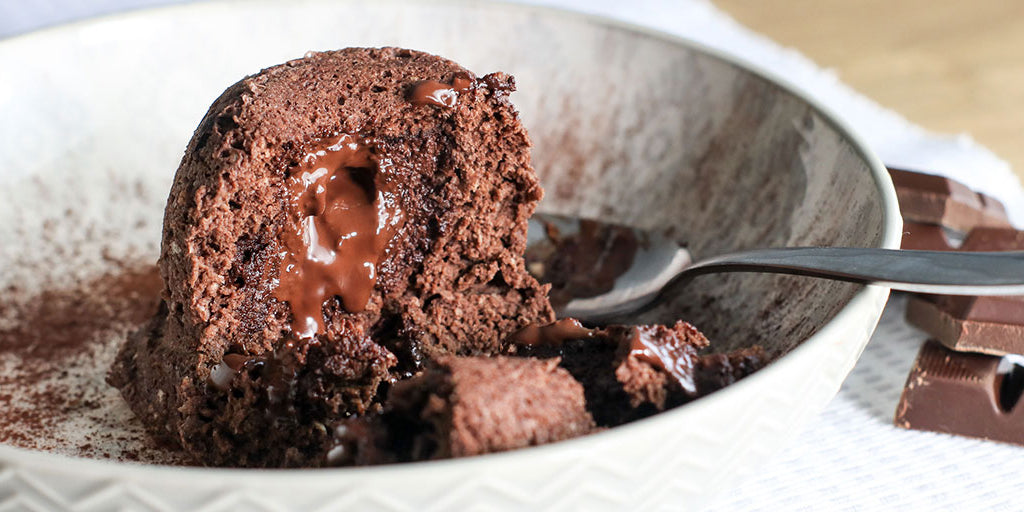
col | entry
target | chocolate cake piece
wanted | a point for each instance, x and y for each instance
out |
(631, 372)
(716, 371)
(336, 221)
(464, 406)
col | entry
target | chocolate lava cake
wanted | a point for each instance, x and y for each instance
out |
(337, 222)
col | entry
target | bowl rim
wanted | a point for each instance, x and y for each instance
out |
(892, 224)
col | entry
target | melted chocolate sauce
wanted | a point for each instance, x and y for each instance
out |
(642, 342)
(676, 360)
(439, 94)
(342, 213)
(552, 334)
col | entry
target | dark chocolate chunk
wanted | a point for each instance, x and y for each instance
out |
(988, 324)
(973, 395)
(930, 199)
(994, 239)
(672, 351)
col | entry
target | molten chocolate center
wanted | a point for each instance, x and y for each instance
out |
(432, 92)
(342, 213)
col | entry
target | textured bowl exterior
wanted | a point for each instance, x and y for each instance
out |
(628, 125)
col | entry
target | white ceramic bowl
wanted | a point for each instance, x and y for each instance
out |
(628, 124)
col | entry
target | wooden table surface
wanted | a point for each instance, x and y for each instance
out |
(952, 66)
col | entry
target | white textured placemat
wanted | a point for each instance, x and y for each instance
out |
(851, 458)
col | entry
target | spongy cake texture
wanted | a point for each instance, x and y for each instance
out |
(464, 406)
(451, 281)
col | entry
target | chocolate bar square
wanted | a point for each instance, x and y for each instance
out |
(931, 199)
(929, 237)
(989, 324)
(966, 394)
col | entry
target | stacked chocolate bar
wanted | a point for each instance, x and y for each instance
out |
(938, 212)
(968, 378)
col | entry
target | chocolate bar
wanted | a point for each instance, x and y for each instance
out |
(973, 395)
(994, 239)
(928, 237)
(930, 199)
(989, 324)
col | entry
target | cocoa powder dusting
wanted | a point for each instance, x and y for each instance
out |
(57, 323)
(50, 343)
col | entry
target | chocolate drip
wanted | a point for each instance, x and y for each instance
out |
(342, 213)
(675, 359)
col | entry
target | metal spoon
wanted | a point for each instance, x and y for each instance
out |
(660, 264)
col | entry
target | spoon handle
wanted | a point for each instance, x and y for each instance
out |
(949, 273)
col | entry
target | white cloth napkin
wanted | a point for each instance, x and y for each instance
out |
(851, 457)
